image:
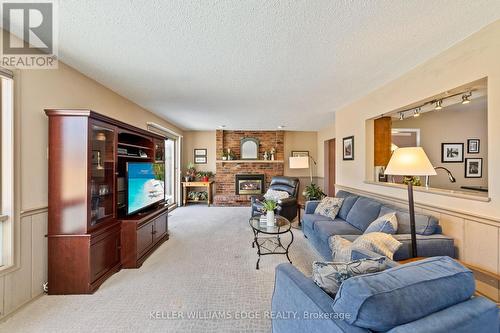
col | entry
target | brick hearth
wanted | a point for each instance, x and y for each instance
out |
(226, 171)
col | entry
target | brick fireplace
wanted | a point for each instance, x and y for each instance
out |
(227, 171)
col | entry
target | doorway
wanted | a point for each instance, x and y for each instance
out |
(330, 167)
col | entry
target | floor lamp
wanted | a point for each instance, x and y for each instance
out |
(302, 162)
(411, 161)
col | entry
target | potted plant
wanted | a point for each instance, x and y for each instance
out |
(203, 195)
(225, 155)
(205, 175)
(269, 206)
(190, 172)
(313, 192)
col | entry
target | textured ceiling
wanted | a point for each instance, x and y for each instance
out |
(258, 64)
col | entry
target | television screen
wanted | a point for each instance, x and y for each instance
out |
(146, 185)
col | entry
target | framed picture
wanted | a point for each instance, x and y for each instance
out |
(473, 146)
(200, 156)
(300, 153)
(452, 152)
(348, 148)
(473, 168)
(200, 160)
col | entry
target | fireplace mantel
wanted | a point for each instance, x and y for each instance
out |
(250, 161)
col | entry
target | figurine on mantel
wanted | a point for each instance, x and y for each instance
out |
(273, 151)
(266, 156)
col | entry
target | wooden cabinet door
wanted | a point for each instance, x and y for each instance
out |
(161, 227)
(104, 255)
(144, 238)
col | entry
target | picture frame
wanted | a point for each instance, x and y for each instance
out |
(200, 156)
(348, 148)
(200, 160)
(452, 153)
(474, 167)
(300, 153)
(473, 146)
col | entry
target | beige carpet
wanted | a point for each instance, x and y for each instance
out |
(206, 270)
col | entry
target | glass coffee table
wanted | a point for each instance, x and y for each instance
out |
(268, 238)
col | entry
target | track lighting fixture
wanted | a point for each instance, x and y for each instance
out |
(401, 116)
(465, 98)
(416, 113)
(439, 104)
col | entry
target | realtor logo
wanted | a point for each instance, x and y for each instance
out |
(29, 34)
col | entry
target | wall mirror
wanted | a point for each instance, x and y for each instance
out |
(451, 127)
(249, 148)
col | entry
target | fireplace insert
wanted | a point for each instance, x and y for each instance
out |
(249, 184)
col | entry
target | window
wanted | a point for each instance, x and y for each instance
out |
(6, 169)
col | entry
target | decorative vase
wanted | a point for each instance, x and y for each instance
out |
(270, 218)
(224, 158)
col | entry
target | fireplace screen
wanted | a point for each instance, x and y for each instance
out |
(249, 184)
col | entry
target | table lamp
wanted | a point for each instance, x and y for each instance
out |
(411, 161)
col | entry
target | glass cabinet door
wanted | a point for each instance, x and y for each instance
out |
(102, 175)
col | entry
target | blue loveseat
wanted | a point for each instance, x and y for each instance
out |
(356, 214)
(428, 296)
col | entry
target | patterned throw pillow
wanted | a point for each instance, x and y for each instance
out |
(329, 207)
(276, 195)
(378, 242)
(330, 275)
(341, 248)
(387, 224)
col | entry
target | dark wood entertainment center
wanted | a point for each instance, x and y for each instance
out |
(90, 236)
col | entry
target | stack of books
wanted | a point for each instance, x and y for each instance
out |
(263, 220)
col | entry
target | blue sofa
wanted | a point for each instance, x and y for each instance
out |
(356, 214)
(428, 296)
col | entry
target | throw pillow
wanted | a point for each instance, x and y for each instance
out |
(329, 207)
(330, 275)
(387, 224)
(378, 242)
(276, 195)
(341, 248)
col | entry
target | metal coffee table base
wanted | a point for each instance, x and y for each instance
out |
(270, 245)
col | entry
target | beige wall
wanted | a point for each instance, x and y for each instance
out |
(300, 141)
(454, 124)
(478, 227)
(202, 140)
(34, 91)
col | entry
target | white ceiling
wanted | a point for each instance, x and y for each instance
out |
(258, 64)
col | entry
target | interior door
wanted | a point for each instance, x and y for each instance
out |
(330, 167)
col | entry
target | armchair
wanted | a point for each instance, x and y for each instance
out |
(288, 207)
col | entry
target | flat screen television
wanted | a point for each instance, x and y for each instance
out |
(145, 185)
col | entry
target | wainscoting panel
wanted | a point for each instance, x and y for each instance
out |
(26, 283)
(481, 245)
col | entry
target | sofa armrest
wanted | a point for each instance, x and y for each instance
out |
(311, 206)
(363, 254)
(291, 201)
(299, 305)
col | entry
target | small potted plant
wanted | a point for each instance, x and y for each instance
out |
(269, 206)
(313, 192)
(190, 172)
(203, 196)
(205, 175)
(225, 155)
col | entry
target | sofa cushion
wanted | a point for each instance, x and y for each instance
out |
(349, 201)
(330, 275)
(381, 301)
(309, 220)
(378, 242)
(325, 229)
(387, 223)
(363, 212)
(329, 207)
(341, 248)
(424, 224)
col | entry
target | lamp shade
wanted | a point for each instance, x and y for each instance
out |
(411, 161)
(301, 162)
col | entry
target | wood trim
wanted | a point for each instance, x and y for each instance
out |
(453, 212)
(34, 211)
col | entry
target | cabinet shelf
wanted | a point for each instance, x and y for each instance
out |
(133, 146)
(134, 157)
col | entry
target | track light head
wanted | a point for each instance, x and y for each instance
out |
(416, 113)
(401, 116)
(439, 105)
(466, 98)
